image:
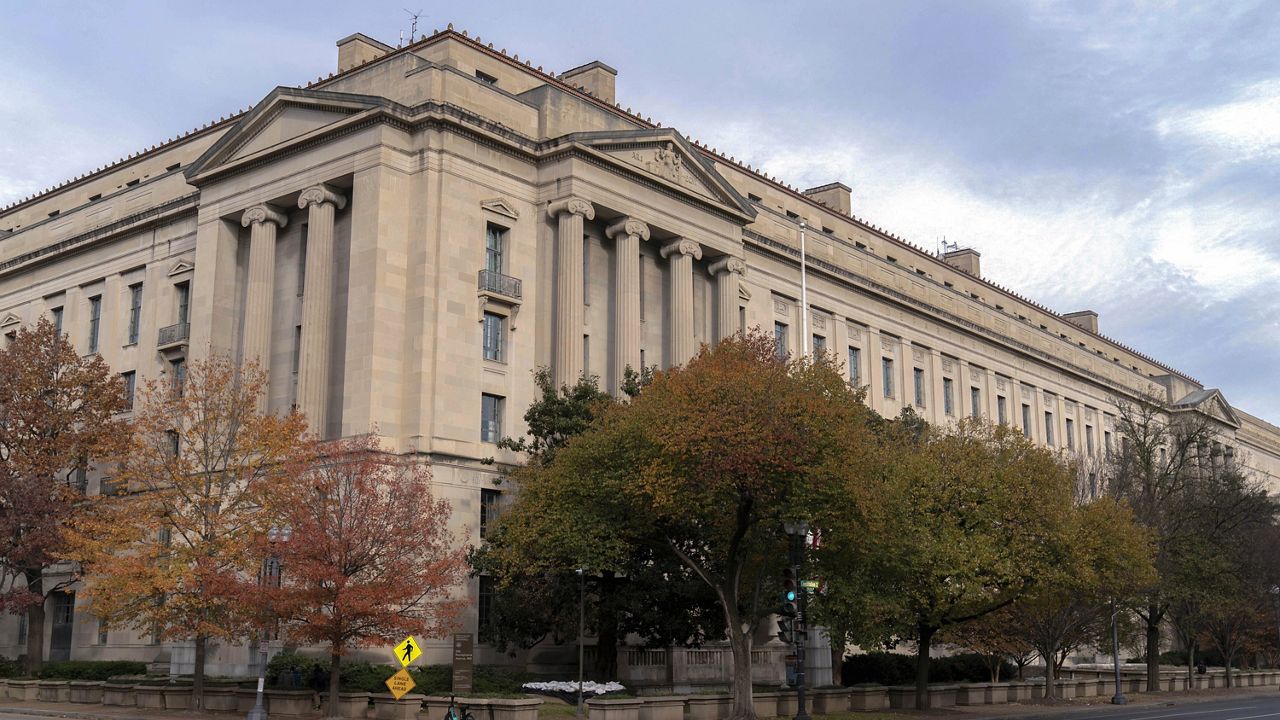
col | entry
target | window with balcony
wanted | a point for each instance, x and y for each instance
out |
(490, 418)
(492, 336)
(135, 312)
(183, 291)
(494, 248)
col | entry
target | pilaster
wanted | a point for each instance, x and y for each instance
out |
(214, 312)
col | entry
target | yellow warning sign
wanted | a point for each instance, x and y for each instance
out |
(400, 683)
(408, 651)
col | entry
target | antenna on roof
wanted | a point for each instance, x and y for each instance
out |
(413, 29)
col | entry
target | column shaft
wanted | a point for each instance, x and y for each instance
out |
(728, 274)
(680, 255)
(627, 234)
(317, 307)
(262, 222)
(570, 213)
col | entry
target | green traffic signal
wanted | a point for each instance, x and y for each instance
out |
(789, 596)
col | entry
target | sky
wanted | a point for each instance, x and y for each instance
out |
(1117, 157)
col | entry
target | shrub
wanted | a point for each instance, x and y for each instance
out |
(289, 669)
(965, 667)
(91, 669)
(896, 669)
(10, 668)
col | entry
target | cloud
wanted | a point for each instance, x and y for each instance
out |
(1245, 129)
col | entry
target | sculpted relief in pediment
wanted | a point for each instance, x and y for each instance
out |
(666, 162)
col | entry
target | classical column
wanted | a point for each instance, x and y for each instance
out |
(627, 234)
(570, 212)
(262, 221)
(728, 272)
(680, 254)
(320, 202)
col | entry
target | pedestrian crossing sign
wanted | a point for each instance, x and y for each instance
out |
(408, 651)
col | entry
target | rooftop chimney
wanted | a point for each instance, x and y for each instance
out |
(1086, 319)
(836, 196)
(359, 48)
(596, 77)
(965, 260)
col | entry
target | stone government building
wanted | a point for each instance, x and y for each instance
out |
(403, 242)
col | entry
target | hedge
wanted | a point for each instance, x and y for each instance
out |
(291, 669)
(896, 669)
(91, 669)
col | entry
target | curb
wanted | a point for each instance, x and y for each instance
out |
(1106, 707)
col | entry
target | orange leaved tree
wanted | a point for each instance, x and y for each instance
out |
(171, 551)
(56, 415)
(370, 557)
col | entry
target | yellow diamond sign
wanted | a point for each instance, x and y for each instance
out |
(408, 651)
(400, 683)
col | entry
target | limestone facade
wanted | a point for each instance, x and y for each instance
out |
(403, 243)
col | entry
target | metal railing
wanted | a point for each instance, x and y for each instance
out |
(496, 282)
(174, 334)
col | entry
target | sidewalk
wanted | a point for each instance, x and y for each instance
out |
(1093, 706)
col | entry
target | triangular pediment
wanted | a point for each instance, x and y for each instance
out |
(181, 266)
(501, 207)
(10, 319)
(285, 117)
(664, 155)
(1210, 402)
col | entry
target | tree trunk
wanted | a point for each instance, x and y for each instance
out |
(1153, 648)
(740, 644)
(1191, 666)
(197, 674)
(1228, 663)
(606, 665)
(837, 665)
(335, 677)
(35, 639)
(1050, 674)
(922, 665)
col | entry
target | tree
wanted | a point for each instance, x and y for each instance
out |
(370, 556)
(705, 466)
(1106, 556)
(535, 581)
(56, 416)
(990, 637)
(1170, 471)
(172, 554)
(973, 516)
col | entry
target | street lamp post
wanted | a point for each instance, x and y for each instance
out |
(1118, 698)
(796, 533)
(270, 575)
(582, 631)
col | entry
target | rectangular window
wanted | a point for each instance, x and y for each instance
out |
(819, 344)
(586, 354)
(975, 402)
(1071, 435)
(22, 630)
(175, 442)
(135, 312)
(95, 321)
(488, 508)
(855, 366)
(302, 262)
(130, 385)
(1002, 413)
(179, 377)
(642, 266)
(886, 372)
(493, 324)
(742, 318)
(296, 364)
(1088, 440)
(494, 246)
(1048, 428)
(918, 377)
(102, 632)
(56, 313)
(490, 418)
(780, 339)
(484, 601)
(1093, 485)
(586, 270)
(948, 404)
(184, 301)
(1026, 420)
(1106, 443)
(486, 78)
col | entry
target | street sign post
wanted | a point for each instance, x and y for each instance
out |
(407, 651)
(400, 683)
(463, 645)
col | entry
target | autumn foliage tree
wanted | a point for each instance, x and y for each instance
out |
(172, 552)
(56, 416)
(705, 466)
(370, 556)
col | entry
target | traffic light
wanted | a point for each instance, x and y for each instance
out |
(789, 593)
(786, 629)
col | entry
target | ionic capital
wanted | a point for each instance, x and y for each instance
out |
(627, 227)
(728, 264)
(684, 246)
(572, 206)
(317, 194)
(263, 213)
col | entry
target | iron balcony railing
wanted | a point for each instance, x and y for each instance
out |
(174, 334)
(496, 282)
